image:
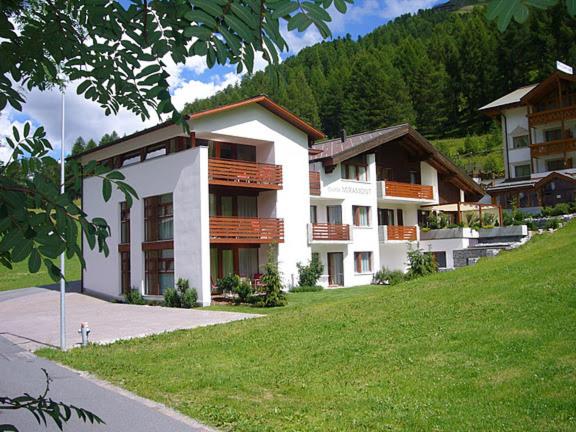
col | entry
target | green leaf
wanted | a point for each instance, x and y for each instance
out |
(285, 9)
(83, 87)
(21, 250)
(571, 5)
(34, 261)
(106, 189)
(115, 175)
(340, 6)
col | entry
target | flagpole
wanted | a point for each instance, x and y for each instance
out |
(63, 256)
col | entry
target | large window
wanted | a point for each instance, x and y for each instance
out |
(361, 215)
(555, 164)
(522, 170)
(222, 150)
(159, 271)
(159, 217)
(355, 169)
(363, 262)
(552, 134)
(520, 141)
(390, 217)
(334, 214)
(124, 223)
(313, 214)
(233, 205)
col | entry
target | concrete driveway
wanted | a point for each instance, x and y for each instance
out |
(30, 318)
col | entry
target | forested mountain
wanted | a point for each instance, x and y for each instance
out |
(433, 69)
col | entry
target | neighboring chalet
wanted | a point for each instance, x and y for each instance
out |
(539, 145)
(249, 176)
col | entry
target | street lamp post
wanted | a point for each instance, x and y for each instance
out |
(63, 256)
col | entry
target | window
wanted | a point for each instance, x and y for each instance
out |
(313, 214)
(386, 217)
(363, 262)
(414, 177)
(334, 215)
(440, 258)
(124, 223)
(159, 217)
(361, 215)
(232, 205)
(552, 134)
(159, 270)
(125, 271)
(156, 151)
(222, 150)
(520, 141)
(130, 159)
(385, 173)
(355, 169)
(555, 164)
(522, 171)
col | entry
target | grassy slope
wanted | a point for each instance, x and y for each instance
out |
(485, 348)
(20, 277)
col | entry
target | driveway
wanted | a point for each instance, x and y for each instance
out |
(30, 318)
(21, 372)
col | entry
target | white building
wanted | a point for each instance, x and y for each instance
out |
(214, 201)
(539, 145)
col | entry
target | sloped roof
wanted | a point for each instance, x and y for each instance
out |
(546, 86)
(335, 151)
(261, 100)
(509, 100)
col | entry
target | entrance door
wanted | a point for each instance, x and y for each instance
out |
(336, 268)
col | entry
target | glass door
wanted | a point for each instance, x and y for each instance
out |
(334, 214)
(336, 268)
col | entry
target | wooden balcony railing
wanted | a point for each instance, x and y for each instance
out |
(315, 187)
(553, 147)
(332, 232)
(225, 229)
(407, 190)
(552, 115)
(399, 232)
(228, 172)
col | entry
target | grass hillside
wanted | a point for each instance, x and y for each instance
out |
(485, 348)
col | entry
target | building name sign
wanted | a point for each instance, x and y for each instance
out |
(354, 190)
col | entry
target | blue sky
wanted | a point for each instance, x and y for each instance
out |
(188, 82)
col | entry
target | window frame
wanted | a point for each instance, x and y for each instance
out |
(124, 222)
(522, 166)
(358, 269)
(356, 164)
(525, 140)
(163, 265)
(356, 216)
(155, 213)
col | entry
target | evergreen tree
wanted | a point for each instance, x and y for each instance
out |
(108, 138)
(301, 99)
(90, 144)
(78, 146)
(376, 96)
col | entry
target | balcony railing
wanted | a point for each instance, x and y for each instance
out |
(225, 229)
(552, 115)
(405, 190)
(553, 147)
(227, 172)
(398, 233)
(330, 232)
(315, 186)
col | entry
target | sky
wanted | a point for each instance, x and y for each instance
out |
(188, 82)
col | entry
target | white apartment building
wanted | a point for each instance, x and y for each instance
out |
(249, 177)
(539, 145)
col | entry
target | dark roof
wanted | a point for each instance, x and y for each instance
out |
(262, 100)
(335, 151)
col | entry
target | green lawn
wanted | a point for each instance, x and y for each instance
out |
(20, 277)
(486, 348)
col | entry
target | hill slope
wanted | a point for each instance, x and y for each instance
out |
(485, 348)
(433, 69)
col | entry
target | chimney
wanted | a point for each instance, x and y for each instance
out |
(343, 135)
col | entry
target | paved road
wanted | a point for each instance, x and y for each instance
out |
(21, 371)
(30, 317)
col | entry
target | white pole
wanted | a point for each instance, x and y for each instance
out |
(63, 256)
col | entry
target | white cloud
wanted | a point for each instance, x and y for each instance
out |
(6, 125)
(191, 90)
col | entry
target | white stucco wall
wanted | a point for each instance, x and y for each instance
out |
(167, 174)
(511, 119)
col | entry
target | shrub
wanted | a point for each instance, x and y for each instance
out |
(437, 221)
(421, 263)
(134, 297)
(489, 220)
(308, 275)
(307, 288)
(560, 209)
(244, 290)
(189, 298)
(472, 220)
(388, 277)
(552, 223)
(171, 298)
(229, 283)
(273, 294)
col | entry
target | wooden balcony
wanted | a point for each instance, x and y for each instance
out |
(552, 115)
(330, 232)
(553, 147)
(315, 186)
(246, 230)
(392, 189)
(400, 233)
(228, 172)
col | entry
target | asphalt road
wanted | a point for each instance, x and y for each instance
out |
(21, 372)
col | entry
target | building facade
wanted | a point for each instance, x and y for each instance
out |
(248, 181)
(539, 145)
